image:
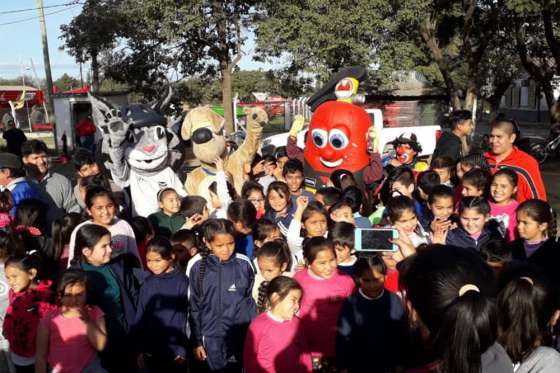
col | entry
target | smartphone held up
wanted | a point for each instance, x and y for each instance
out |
(374, 240)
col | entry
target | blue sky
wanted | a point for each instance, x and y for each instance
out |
(21, 42)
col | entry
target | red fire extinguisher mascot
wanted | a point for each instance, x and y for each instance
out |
(340, 136)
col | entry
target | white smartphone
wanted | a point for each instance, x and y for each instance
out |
(375, 239)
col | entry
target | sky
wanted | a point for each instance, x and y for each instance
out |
(21, 41)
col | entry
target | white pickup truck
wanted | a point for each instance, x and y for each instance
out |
(427, 135)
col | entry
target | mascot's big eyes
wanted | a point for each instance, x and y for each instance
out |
(338, 139)
(319, 137)
(130, 137)
(160, 132)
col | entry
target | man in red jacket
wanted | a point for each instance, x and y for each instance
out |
(503, 154)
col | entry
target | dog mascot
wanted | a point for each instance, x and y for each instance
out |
(206, 130)
(141, 150)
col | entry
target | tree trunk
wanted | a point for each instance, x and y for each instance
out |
(469, 100)
(227, 99)
(494, 102)
(94, 72)
(551, 103)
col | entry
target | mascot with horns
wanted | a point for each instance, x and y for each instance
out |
(340, 135)
(141, 150)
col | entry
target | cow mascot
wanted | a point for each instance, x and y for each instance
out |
(141, 150)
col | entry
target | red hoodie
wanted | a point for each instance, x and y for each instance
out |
(527, 168)
(23, 315)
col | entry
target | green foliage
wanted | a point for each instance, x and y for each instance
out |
(322, 36)
(93, 30)
(199, 91)
(66, 82)
(29, 81)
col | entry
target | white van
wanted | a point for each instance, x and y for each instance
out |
(427, 135)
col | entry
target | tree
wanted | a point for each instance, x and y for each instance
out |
(197, 91)
(535, 26)
(91, 32)
(447, 41)
(321, 37)
(29, 81)
(196, 37)
(66, 82)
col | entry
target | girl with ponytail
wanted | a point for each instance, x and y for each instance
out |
(526, 312)
(449, 298)
(538, 244)
(276, 340)
(273, 260)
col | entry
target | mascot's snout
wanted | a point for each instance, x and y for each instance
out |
(201, 135)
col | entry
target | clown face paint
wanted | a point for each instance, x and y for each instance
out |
(405, 153)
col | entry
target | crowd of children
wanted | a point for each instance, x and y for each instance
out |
(269, 280)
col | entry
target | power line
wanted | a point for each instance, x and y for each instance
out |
(37, 17)
(34, 9)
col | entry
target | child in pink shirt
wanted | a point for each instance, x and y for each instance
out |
(70, 336)
(503, 204)
(325, 288)
(275, 340)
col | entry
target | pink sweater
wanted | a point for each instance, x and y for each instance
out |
(320, 307)
(276, 346)
(506, 215)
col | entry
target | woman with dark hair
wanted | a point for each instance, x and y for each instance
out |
(449, 293)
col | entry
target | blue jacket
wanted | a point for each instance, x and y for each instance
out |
(245, 245)
(371, 333)
(21, 190)
(220, 298)
(460, 238)
(161, 315)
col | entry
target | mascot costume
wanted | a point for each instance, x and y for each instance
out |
(340, 135)
(141, 150)
(206, 130)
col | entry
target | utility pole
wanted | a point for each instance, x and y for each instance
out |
(47, 63)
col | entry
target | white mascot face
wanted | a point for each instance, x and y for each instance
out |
(147, 148)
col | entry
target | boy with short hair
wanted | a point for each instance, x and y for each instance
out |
(195, 211)
(293, 175)
(342, 236)
(426, 182)
(55, 189)
(441, 204)
(371, 326)
(86, 166)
